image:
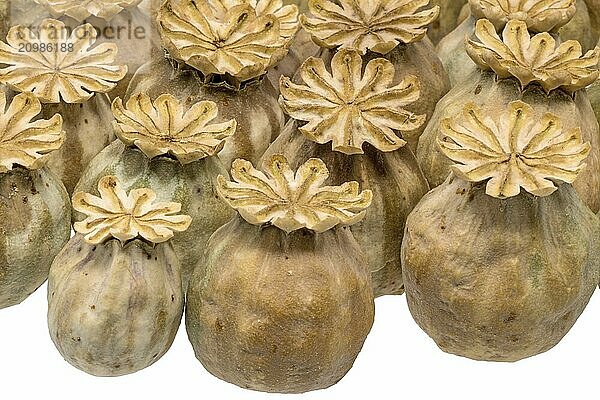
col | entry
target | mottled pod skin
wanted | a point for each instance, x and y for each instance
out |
(301, 49)
(114, 309)
(499, 280)
(190, 184)
(279, 312)
(302, 4)
(594, 95)
(452, 53)
(35, 215)
(451, 49)
(594, 10)
(397, 184)
(4, 18)
(447, 20)
(588, 36)
(88, 128)
(484, 89)
(254, 107)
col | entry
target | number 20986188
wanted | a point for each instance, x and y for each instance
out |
(45, 47)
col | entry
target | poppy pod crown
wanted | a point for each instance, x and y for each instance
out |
(165, 126)
(236, 39)
(375, 25)
(82, 9)
(350, 107)
(58, 64)
(539, 15)
(126, 216)
(533, 59)
(23, 142)
(514, 150)
(292, 200)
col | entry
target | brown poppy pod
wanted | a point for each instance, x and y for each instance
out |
(395, 31)
(501, 259)
(560, 18)
(365, 124)
(282, 301)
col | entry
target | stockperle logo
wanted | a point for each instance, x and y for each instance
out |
(127, 31)
(132, 24)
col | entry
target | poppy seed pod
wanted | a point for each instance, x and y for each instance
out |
(35, 216)
(282, 300)
(561, 18)
(222, 52)
(501, 259)
(393, 30)
(115, 296)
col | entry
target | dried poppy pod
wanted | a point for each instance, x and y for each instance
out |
(501, 259)
(120, 22)
(170, 149)
(392, 29)
(299, 45)
(564, 17)
(550, 77)
(115, 296)
(222, 51)
(364, 116)
(72, 82)
(282, 301)
(35, 216)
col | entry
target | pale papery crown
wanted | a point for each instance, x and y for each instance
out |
(513, 149)
(82, 9)
(376, 25)
(54, 65)
(23, 142)
(237, 38)
(166, 126)
(539, 15)
(292, 200)
(116, 214)
(533, 59)
(349, 107)
(287, 15)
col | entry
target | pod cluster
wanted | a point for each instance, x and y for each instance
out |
(264, 169)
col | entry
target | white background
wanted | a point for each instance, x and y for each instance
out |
(398, 361)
